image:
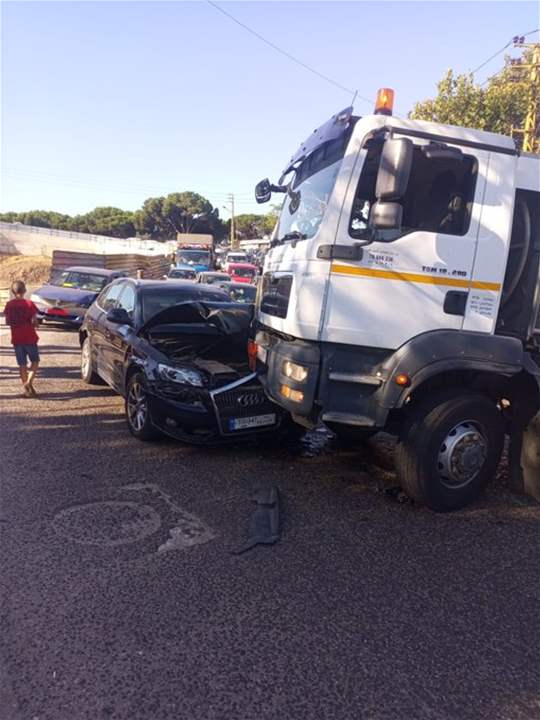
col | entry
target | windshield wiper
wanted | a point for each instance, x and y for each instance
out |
(294, 236)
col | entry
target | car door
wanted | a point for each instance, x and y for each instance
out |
(118, 337)
(101, 336)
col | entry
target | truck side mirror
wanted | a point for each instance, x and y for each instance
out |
(263, 191)
(385, 215)
(394, 169)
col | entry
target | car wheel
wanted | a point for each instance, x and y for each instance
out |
(88, 374)
(138, 418)
(449, 449)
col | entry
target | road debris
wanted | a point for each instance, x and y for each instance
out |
(264, 528)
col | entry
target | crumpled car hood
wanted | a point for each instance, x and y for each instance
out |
(226, 318)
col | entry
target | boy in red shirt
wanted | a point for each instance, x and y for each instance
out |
(21, 317)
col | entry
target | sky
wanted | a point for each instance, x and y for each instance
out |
(108, 103)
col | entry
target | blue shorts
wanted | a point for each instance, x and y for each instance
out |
(26, 352)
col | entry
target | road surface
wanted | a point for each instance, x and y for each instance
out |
(121, 597)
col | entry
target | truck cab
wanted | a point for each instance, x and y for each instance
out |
(402, 292)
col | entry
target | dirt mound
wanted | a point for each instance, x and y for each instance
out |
(33, 269)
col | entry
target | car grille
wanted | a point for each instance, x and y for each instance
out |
(245, 401)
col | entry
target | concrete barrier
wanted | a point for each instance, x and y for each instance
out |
(17, 239)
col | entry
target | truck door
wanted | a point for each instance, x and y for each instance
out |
(421, 280)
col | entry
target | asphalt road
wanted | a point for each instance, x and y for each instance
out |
(121, 597)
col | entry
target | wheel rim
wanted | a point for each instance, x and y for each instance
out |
(462, 455)
(85, 359)
(137, 407)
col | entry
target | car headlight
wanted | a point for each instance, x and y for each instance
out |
(294, 371)
(185, 376)
(36, 298)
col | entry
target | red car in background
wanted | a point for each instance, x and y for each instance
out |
(243, 272)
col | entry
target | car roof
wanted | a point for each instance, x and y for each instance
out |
(187, 285)
(91, 269)
(214, 272)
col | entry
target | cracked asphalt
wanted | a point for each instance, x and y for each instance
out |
(121, 597)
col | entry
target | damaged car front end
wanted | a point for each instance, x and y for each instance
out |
(190, 362)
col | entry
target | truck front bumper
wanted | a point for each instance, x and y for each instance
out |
(341, 385)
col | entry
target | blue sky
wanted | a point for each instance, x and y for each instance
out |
(108, 103)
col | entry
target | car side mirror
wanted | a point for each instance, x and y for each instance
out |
(263, 191)
(118, 316)
(394, 169)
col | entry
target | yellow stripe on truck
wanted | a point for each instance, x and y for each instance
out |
(413, 277)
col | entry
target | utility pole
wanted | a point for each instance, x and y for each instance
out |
(233, 229)
(530, 132)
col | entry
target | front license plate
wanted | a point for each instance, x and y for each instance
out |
(252, 422)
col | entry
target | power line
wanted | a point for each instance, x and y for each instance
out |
(95, 183)
(473, 72)
(287, 54)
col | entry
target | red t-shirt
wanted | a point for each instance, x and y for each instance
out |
(19, 314)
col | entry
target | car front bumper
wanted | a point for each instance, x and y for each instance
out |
(228, 414)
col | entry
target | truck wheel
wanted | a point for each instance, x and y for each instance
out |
(88, 374)
(449, 449)
(138, 416)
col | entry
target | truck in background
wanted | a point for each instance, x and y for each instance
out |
(195, 250)
(402, 293)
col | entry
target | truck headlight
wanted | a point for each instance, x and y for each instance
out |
(294, 371)
(184, 376)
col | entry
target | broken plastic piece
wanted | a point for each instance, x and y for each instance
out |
(264, 523)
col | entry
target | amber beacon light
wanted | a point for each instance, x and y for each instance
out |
(384, 103)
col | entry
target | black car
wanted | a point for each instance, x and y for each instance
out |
(177, 352)
(70, 292)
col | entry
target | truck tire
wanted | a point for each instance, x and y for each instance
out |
(88, 374)
(450, 447)
(138, 418)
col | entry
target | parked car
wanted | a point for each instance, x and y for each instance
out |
(239, 292)
(70, 292)
(212, 278)
(177, 352)
(182, 272)
(234, 257)
(243, 272)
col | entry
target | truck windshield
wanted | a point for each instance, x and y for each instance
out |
(193, 257)
(309, 191)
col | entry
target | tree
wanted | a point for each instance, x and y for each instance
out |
(250, 225)
(496, 106)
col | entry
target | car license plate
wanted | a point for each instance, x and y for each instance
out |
(252, 422)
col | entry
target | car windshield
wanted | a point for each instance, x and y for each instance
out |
(157, 299)
(240, 257)
(243, 272)
(80, 280)
(193, 257)
(310, 189)
(244, 294)
(182, 274)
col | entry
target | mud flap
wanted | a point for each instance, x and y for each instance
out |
(525, 458)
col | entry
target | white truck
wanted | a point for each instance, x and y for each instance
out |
(402, 293)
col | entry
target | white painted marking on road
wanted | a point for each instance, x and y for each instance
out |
(188, 530)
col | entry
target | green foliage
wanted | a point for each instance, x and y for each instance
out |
(160, 218)
(496, 106)
(255, 226)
